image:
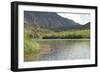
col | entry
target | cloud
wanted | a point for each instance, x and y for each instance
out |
(78, 18)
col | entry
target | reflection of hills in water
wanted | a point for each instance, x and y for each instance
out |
(51, 21)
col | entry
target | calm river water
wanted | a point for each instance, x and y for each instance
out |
(63, 49)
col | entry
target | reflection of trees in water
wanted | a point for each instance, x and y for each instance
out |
(61, 43)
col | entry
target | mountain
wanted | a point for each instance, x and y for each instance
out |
(50, 20)
(87, 25)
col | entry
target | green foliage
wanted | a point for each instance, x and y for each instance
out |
(39, 33)
(69, 34)
(30, 46)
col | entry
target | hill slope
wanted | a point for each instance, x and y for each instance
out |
(50, 20)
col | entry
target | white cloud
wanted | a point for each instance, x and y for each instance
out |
(78, 18)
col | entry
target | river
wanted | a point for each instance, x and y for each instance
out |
(69, 49)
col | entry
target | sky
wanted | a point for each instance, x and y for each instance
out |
(78, 18)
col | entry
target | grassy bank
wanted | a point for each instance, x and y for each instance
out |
(68, 34)
(31, 47)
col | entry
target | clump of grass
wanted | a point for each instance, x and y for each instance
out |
(31, 47)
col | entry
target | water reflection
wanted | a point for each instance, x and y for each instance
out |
(63, 50)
